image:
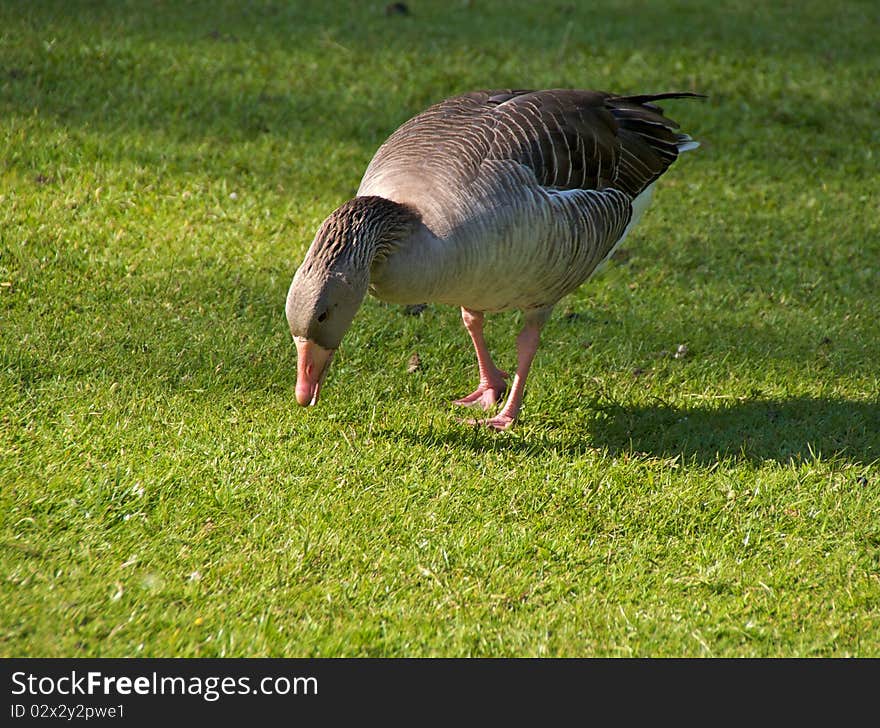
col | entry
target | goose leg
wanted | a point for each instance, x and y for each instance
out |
(492, 384)
(526, 347)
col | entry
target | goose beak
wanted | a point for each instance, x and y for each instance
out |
(312, 363)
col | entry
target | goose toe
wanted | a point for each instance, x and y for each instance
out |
(498, 423)
(485, 397)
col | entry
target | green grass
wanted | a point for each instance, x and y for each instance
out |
(164, 167)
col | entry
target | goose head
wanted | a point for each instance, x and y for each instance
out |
(328, 288)
(320, 308)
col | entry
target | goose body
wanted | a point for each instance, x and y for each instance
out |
(489, 201)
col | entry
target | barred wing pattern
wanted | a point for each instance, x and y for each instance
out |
(536, 187)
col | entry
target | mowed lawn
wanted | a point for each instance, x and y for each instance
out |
(695, 472)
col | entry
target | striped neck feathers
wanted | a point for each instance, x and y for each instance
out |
(331, 283)
(358, 233)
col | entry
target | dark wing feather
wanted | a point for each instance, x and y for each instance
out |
(584, 139)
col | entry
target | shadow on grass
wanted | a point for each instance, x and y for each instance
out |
(254, 52)
(756, 430)
(798, 429)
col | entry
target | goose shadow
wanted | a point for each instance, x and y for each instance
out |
(778, 430)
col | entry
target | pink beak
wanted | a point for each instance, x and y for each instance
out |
(312, 363)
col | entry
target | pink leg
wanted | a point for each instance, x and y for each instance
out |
(526, 347)
(492, 384)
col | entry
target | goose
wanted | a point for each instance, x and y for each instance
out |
(487, 201)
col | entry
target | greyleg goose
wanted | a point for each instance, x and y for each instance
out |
(489, 201)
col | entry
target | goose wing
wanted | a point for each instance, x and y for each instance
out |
(568, 139)
(589, 140)
(532, 188)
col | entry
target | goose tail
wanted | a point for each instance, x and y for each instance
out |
(648, 99)
(685, 143)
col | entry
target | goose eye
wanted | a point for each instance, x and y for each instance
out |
(322, 317)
